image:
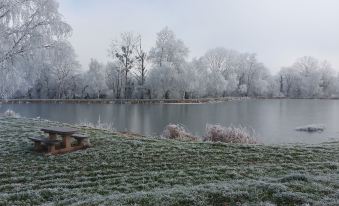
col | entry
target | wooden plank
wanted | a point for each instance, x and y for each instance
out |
(79, 136)
(59, 130)
(44, 140)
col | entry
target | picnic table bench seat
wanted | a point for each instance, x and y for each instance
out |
(44, 140)
(79, 136)
(82, 139)
(40, 141)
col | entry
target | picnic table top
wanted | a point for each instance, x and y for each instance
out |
(59, 130)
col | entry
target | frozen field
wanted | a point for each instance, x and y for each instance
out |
(131, 171)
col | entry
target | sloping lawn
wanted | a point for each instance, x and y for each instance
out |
(127, 171)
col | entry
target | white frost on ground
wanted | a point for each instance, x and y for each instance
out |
(134, 171)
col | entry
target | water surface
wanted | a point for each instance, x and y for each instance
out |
(273, 120)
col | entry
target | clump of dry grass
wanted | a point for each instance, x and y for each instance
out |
(178, 132)
(218, 133)
(99, 125)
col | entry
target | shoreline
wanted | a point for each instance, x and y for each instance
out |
(145, 101)
(121, 101)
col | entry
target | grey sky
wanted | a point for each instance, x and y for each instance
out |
(278, 31)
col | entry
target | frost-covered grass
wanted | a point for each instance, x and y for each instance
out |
(311, 128)
(142, 171)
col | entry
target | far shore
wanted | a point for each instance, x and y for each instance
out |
(144, 101)
(121, 101)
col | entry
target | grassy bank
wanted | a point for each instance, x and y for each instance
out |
(128, 171)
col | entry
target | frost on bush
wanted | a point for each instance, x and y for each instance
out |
(218, 133)
(311, 128)
(11, 113)
(178, 132)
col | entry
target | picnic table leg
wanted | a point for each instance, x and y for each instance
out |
(67, 141)
(52, 136)
(51, 149)
(37, 146)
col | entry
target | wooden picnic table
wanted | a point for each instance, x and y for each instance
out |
(55, 146)
(65, 133)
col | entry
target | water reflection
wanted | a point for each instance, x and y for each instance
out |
(273, 120)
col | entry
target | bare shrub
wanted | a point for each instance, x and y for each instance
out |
(99, 125)
(178, 132)
(218, 133)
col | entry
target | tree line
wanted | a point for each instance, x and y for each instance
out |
(37, 61)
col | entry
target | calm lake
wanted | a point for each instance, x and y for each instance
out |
(273, 120)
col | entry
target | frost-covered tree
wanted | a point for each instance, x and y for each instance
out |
(308, 68)
(28, 25)
(195, 77)
(223, 60)
(168, 49)
(64, 67)
(113, 79)
(234, 73)
(33, 39)
(251, 75)
(95, 78)
(307, 78)
(327, 79)
(168, 58)
(8, 86)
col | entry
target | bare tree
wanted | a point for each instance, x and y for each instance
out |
(141, 58)
(123, 51)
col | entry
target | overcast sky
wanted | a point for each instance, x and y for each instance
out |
(278, 31)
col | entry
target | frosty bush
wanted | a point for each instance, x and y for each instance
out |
(178, 132)
(311, 128)
(11, 113)
(218, 133)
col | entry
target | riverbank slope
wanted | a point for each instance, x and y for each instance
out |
(149, 171)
